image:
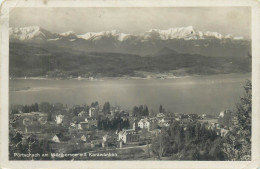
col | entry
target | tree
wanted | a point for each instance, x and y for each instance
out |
(36, 107)
(161, 109)
(126, 124)
(45, 107)
(94, 104)
(49, 118)
(152, 113)
(197, 131)
(106, 108)
(237, 144)
(161, 144)
(145, 111)
(15, 143)
(58, 106)
(135, 111)
(140, 110)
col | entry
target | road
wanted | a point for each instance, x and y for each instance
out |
(123, 148)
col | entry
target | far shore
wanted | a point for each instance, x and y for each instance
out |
(157, 76)
(100, 78)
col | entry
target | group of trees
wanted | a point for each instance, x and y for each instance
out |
(75, 110)
(114, 124)
(143, 111)
(237, 144)
(65, 62)
(26, 108)
(194, 142)
(48, 107)
(30, 144)
(225, 121)
(140, 111)
(94, 104)
(161, 109)
(42, 107)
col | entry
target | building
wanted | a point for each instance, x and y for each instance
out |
(193, 116)
(128, 136)
(166, 124)
(82, 113)
(106, 137)
(92, 122)
(223, 132)
(104, 144)
(59, 119)
(95, 143)
(120, 142)
(92, 111)
(213, 126)
(56, 139)
(87, 124)
(72, 124)
(83, 138)
(160, 117)
(225, 118)
(221, 114)
(42, 120)
(144, 124)
(177, 118)
(165, 121)
(203, 116)
(84, 125)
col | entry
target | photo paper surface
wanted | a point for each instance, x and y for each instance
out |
(112, 84)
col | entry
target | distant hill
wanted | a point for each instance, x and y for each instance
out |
(165, 51)
(36, 59)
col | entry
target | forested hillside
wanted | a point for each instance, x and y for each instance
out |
(34, 60)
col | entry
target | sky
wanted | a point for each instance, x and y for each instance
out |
(225, 20)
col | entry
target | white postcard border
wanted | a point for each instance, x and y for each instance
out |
(6, 7)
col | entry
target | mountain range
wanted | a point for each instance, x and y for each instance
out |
(180, 40)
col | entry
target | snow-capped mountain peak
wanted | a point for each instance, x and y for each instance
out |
(186, 33)
(68, 33)
(29, 33)
(25, 33)
(104, 34)
(175, 33)
(229, 36)
(209, 34)
(238, 38)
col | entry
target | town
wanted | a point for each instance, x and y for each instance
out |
(97, 129)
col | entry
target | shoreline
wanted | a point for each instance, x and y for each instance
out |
(156, 77)
(102, 78)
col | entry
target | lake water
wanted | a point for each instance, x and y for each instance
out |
(198, 94)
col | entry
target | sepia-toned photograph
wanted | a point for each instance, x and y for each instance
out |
(129, 84)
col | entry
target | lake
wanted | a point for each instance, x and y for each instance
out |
(197, 94)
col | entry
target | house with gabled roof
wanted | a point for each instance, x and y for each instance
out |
(59, 119)
(128, 136)
(144, 124)
(57, 138)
